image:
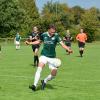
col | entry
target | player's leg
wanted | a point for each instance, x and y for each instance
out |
(66, 45)
(81, 52)
(48, 78)
(69, 46)
(38, 72)
(53, 66)
(16, 46)
(82, 49)
(36, 56)
(0, 48)
(37, 76)
(51, 75)
(19, 45)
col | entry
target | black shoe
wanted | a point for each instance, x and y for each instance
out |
(81, 55)
(32, 87)
(34, 65)
(43, 84)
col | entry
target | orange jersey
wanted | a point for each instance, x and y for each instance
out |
(82, 37)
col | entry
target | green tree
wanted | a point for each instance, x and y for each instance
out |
(32, 13)
(56, 13)
(30, 8)
(76, 14)
(11, 17)
(90, 22)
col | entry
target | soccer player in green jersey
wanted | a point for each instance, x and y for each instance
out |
(48, 55)
(17, 41)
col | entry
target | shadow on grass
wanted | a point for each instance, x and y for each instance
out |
(78, 56)
(34, 66)
(52, 87)
(48, 86)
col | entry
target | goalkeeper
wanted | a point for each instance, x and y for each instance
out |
(48, 55)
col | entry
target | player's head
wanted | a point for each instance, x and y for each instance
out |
(17, 33)
(68, 31)
(51, 29)
(35, 29)
(81, 30)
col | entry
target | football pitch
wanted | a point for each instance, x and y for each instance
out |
(77, 78)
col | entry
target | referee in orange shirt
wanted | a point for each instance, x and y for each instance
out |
(81, 38)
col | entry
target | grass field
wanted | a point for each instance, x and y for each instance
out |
(77, 78)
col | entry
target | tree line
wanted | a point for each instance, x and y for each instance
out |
(21, 15)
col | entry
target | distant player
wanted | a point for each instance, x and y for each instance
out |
(48, 55)
(34, 36)
(17, 41)
(81, 38)
(67, 39)
(0, 48)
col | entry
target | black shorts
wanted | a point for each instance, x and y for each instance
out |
(68, 44)
(35, 47)
(81, 44)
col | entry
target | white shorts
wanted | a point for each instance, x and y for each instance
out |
(17, 43)
(52, 62)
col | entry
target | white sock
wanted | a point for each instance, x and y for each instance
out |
(16, 47)
(37, 75)
(48, 78)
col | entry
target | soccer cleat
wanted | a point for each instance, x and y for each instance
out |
(32, 87)
(43, 84)
(34, 65)
(81, 55)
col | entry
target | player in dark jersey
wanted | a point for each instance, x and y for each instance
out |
(34, 36)
(48, 55)
(0, 48)
(67, 39)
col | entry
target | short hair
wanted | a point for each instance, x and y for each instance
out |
(52, 26)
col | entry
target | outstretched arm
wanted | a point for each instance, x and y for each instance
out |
(65, 47)
(35, 42)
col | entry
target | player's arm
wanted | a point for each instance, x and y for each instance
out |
(65, 47)
(33, 43)
(77, 37)
(64, 39)
(85, 37)
(35, 37)
(20, 38)
(30, 38)
(71, 38)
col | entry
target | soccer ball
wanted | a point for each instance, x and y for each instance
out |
(57, 62)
